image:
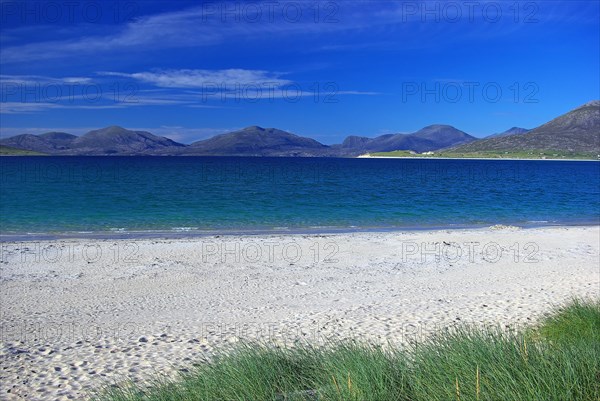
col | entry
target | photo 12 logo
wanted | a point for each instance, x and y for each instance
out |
(70, 252)
(255, 252)
(469, 91)
(94, 11)
(469, 11)
(68, 11)
(49, 333)
(271, 11)
(68, 92)
(469, 252)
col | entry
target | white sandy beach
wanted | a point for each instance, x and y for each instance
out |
(77, 314)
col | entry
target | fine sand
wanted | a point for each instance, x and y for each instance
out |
(79, 314)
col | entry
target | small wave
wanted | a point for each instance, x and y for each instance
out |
(184, 228)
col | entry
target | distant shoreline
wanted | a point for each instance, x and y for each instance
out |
(313, 157)
(472, 158)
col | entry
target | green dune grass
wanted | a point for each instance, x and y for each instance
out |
(557, 360)
(8, 151)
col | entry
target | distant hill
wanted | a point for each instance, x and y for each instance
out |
(432, 137)
(51, 142)
(443, 136)
(509, 132)
(118, 140)
(60, 139)
(576, 131)
(111, 140)
(257, 141)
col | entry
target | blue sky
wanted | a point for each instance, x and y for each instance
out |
(189, 70)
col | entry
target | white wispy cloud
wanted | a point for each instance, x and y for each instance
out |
(36, 107)
(35, 93)
(195, 88)
(193, 26)
(106, 103)
(23, 107)
(232, 84)
(407, 23)
(186, 78)
(40, 79)
(163, 29)
(363, 93)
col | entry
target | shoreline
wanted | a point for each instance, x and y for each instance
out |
(472, 158)
(87, 313)
(315, 157)
(191, 233)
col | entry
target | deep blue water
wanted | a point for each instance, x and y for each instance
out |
(96, 194)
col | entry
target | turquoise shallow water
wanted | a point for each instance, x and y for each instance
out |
(181, 194)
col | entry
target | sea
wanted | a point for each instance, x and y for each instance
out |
(146, 196)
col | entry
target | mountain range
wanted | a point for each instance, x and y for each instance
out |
(250, 141)
(575, 131)
(432, 137)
